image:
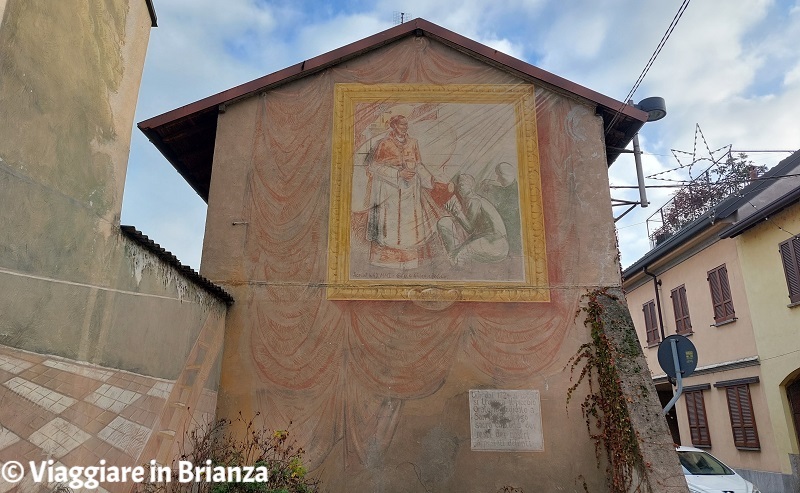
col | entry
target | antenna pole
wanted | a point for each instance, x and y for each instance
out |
(637, 157)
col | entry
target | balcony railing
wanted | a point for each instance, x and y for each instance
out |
(700, 195)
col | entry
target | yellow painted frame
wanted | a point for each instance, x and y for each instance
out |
(341, 287)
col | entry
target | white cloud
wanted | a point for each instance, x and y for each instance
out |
(319, 38)
(732, 68)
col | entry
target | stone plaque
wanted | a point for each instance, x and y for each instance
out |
(506, 420)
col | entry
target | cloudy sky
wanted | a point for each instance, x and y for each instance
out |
(730, 67)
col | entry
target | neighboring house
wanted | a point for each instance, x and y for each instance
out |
(364, 314)
(730, 281)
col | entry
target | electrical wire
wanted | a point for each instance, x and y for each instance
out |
(649, 64)
(769, 220)
(684, 183)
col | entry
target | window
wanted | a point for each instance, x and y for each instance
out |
(790, 255)
(650, 324)
(683, 325)
(721, 294)
(698, 425)
(740, 407)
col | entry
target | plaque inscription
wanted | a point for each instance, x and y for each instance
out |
(506, 420)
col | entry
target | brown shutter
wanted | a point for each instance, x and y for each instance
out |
(721, 294)
(677, 309)
(680, 307)
(790, 256)
(691, 413)
(651, 327)
(743, 423)
(716, 294)
(687, 322)
(727, 299)
(698, 425)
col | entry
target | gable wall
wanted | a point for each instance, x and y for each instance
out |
(377, 391)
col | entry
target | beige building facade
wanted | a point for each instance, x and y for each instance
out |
(741, 321)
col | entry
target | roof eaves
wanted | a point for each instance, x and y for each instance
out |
(288, 74)
(728, 207)
(669, 245)
(416, 26)
(166, 130)
(153, 247)
(764, 213)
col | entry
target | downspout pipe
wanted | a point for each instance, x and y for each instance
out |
(656, 284)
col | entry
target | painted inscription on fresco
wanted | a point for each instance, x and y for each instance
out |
(506, 420)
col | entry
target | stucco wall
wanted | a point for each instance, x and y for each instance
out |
(66, 108)
(377, 391)
(776, 324)
(725, 343)
(716, 345)
(100, 340)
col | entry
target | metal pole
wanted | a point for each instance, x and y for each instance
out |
(637, 157)
(678, 377)
(656, 284)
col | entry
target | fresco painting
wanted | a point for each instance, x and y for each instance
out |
(433, 176)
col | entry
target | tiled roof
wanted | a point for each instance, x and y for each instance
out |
(172, 260)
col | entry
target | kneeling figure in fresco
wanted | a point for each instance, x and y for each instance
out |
(475, 230)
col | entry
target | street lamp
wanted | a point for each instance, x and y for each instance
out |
(655, 108)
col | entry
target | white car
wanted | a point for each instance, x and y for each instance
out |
(707, 474)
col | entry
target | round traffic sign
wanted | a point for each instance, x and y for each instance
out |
(687, 356)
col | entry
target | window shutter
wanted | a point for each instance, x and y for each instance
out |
(743, 423)
(727, 299)
(698, 425)
(651, 327)
(687, 322)
(790, 256)
(721, 294)
(680, 307)
(677, 309)
(716, 294)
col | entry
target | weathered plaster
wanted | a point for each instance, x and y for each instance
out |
(664, 472)
(378, 390)
(98, 336)
(2, 9)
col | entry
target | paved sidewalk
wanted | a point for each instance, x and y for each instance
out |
(77, 414)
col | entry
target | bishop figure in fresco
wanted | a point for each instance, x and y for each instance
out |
(402, 221)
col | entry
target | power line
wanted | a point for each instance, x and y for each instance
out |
(769, 219)
(738, 151)
(649, 64)
(684, 183)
